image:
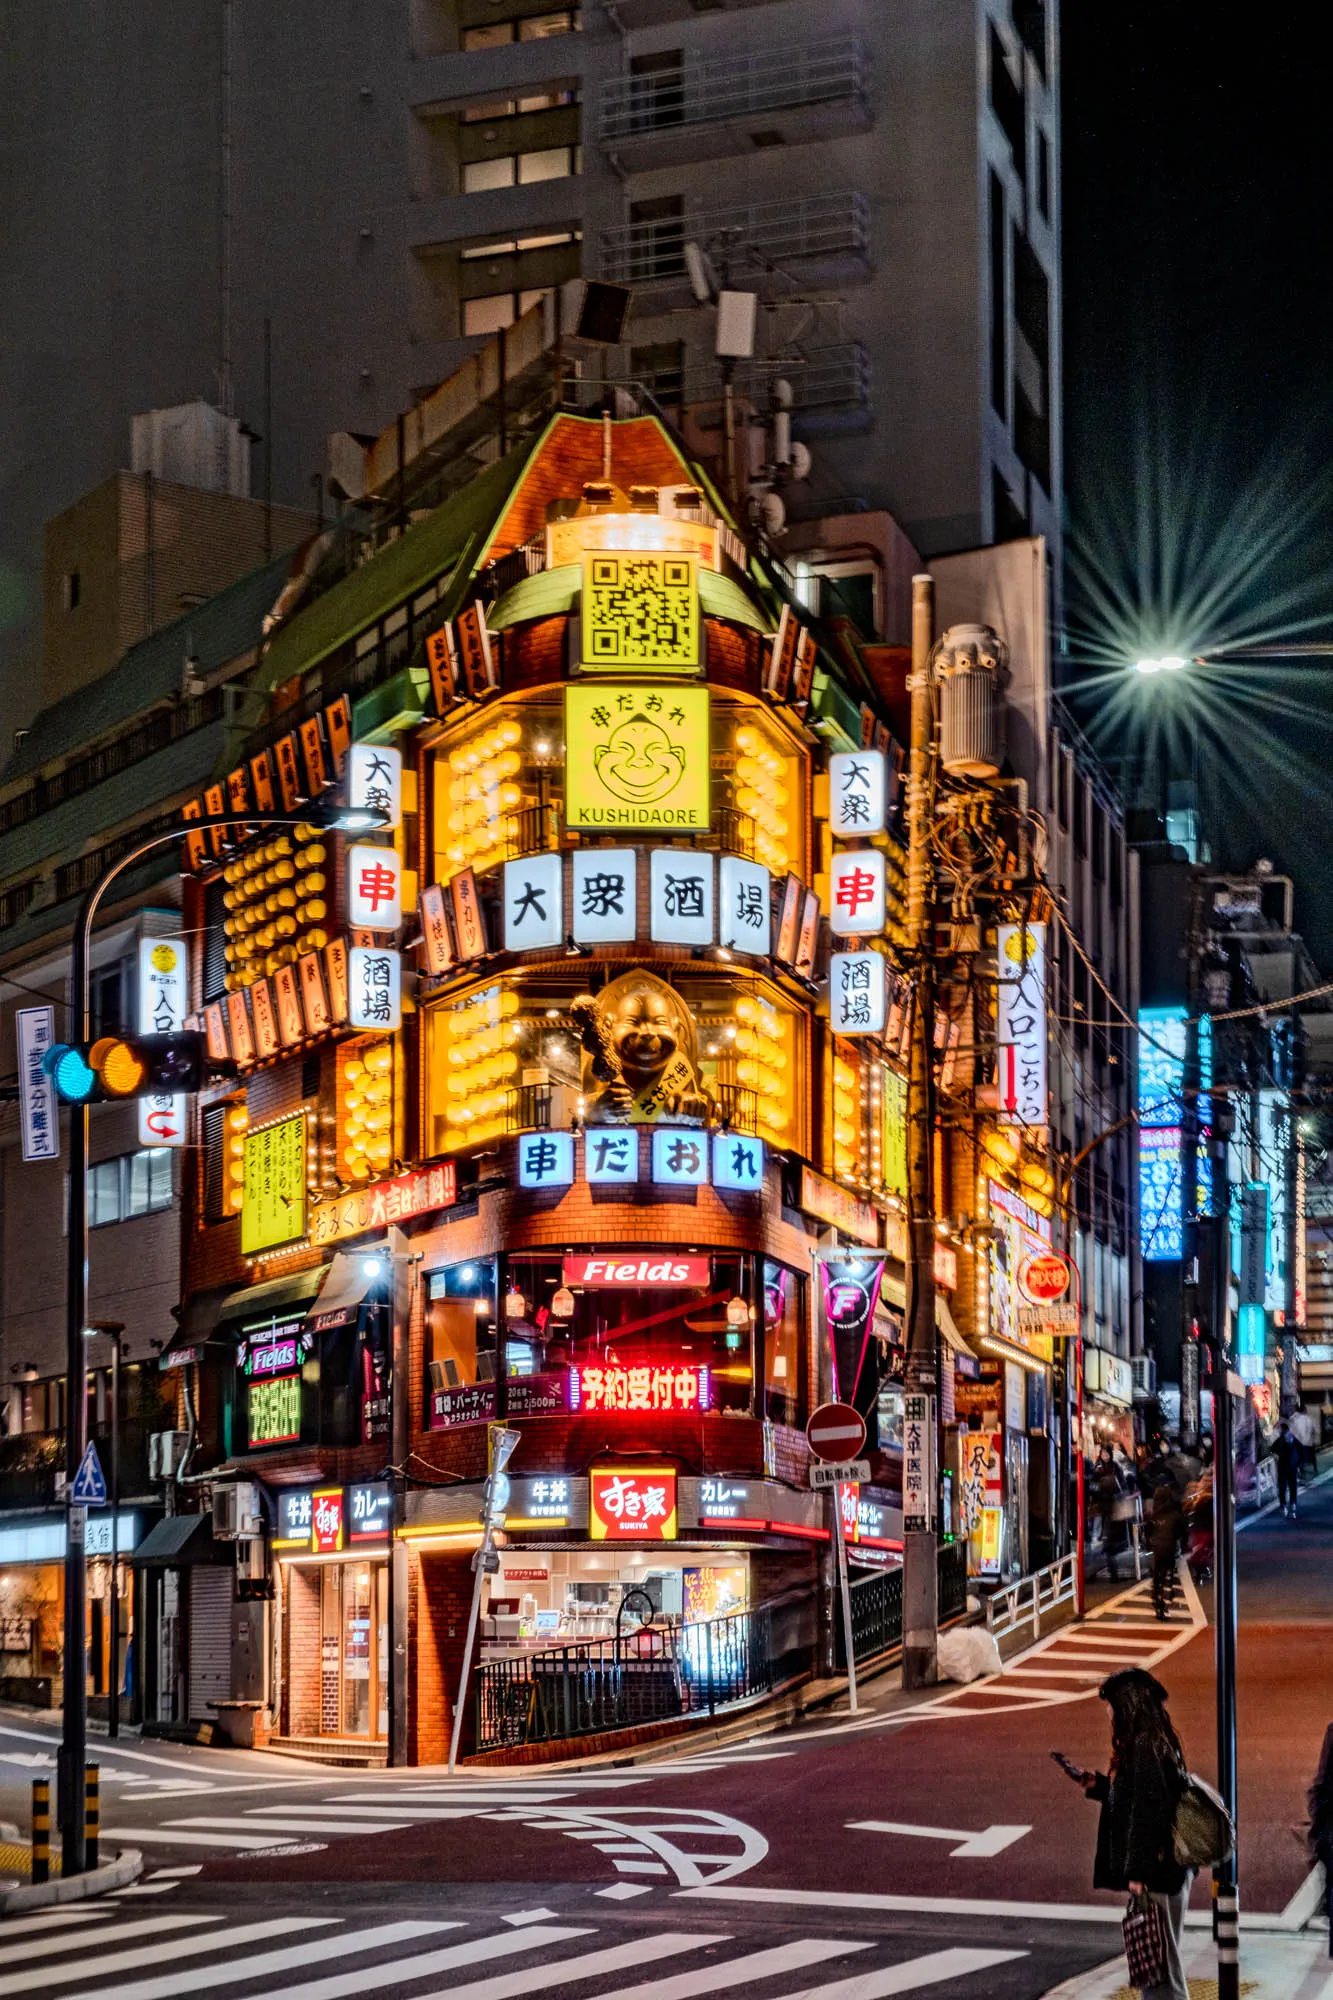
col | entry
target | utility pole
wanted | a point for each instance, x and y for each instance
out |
(921, 1541)
(1225, 1879)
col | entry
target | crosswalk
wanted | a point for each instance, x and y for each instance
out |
(79, 1954)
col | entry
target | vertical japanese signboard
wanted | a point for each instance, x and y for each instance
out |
(163, 1003)
(34, 1029)
(918, 1463)
(1021, 1024)
(858, 793)
(273, 1201)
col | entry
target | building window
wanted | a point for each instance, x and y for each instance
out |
(998, 300)
(514, 107)
(535, 28)
(1043, 177)
(461, 1325)
(70, 590)
(480, 253)
(783, 1322)
(110, 993)
(549, 163)
(130, 1185)
(499, 309)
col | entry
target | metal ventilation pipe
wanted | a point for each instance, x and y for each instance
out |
(971, 666)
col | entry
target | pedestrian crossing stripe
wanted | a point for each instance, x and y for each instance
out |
(201, 1954)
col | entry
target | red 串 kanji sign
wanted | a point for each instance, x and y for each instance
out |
(633, 1504)
(374, 888)
(857, 892)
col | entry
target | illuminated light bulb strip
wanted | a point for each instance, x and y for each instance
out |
(483, 797)
(481, 1067)
(276, 902)
(236, 1123)
(365, 1128)
(846, 1120)
(761, 1046)
(762, 794)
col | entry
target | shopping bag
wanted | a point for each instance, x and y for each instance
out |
(1145, 1941)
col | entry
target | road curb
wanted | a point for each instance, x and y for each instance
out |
(117, 1874)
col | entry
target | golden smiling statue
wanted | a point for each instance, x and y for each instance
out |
(640, 1054)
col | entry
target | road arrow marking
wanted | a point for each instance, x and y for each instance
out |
(974, 1846)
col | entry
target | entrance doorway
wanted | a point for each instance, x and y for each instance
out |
(354, 1649)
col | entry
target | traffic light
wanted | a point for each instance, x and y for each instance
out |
(119, 1067)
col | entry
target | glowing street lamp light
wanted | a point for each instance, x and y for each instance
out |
(1167, 663)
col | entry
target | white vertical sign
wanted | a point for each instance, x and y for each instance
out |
(534, 898)
(857, 892)
(681, 896)
(918, 1463)
(374, 988)
(164, 1000)
(604, 895)
(375, 780)
(374, 888)
(857, 986)
(1021, 1023)
(745, 906)
(35, 1030)
(858, 794)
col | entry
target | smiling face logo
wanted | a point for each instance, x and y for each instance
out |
(639, 763)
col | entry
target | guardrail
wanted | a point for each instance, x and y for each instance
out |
(1026, 1601)
(737, 86)
(877, 1606)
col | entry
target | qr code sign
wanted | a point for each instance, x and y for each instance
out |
(640, 610)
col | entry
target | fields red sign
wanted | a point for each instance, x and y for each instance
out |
(836, 1431)
(1044, 1279)
(649, 1268)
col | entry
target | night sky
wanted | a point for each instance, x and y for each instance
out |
(1199, 406)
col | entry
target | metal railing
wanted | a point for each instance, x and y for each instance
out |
(759, 80)
(651, 1675)
(748, 237)
(877, 1606)
(1025, 1602)
(834, 378)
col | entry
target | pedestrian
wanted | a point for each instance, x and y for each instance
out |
(1166, 1530)
(1321, 1823)
(1138, 1798)
(1287, 1452)
(1107, 1487)
(1303, 1430)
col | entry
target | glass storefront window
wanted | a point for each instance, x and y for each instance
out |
(354, 1637)
(461, 1333)
(783, 1321)
(497, 778)
(657, 1347)
(759, 779)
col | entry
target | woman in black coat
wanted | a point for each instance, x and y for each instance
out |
(1139, 1798)
(1321, 1822)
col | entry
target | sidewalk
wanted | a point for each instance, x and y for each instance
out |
(1271, 1968)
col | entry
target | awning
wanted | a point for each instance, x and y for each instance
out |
(177, 1540)
(552, 592)
(198, 1323)
(274, 1296)
(345, 1286)
(952, 1337)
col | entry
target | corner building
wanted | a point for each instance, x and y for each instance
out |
(536, 1097)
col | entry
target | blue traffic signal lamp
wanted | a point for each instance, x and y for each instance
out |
(119, 1067)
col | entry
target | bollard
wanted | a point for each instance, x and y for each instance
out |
(91, 1815)
(41, 1829)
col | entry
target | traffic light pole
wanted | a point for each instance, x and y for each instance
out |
(1226, 1887)
(74, 1707)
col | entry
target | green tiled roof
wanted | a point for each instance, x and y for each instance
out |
(150, 672)
(553, 591)
(63, 832)
(453, 536)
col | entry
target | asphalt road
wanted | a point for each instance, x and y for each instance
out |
(929, 1846)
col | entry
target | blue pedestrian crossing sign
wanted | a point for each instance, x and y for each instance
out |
(89, 1489)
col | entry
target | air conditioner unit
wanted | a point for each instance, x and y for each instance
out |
(251, 1563)
(236, 1513)
(166, 1453)
(1145, 1376)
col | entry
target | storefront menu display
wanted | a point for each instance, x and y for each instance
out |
(472, 1404)
(274, 1405)
(538, 1395)
(273, 1202)
(633, 1504)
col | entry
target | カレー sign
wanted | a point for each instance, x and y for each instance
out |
(637, 758)
(632, 1504)
(273, 1197)
(640, 611)
(649, 1269)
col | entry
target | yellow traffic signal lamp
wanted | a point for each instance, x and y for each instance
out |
(119, 1065)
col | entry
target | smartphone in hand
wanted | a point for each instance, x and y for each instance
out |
(1070, 1768)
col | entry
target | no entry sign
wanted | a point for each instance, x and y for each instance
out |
(836, 1431)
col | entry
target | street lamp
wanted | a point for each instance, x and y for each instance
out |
(1164, 663)
(334, 817)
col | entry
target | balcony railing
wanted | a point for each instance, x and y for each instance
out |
(818, 227)
(826, 382)
(759, 82)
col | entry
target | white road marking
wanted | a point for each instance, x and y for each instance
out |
(528, 1917)
(202, 1979)
(149, 1888)
(332, 1824)
(187, 1868)
(50, 1920)
(422, 1966)
(588, 1965)
(712, 1978)
(155, 1954)
(973, 1846)
(910, 1976)
(46, 1945)
(178, 1837)
(620, 1892)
